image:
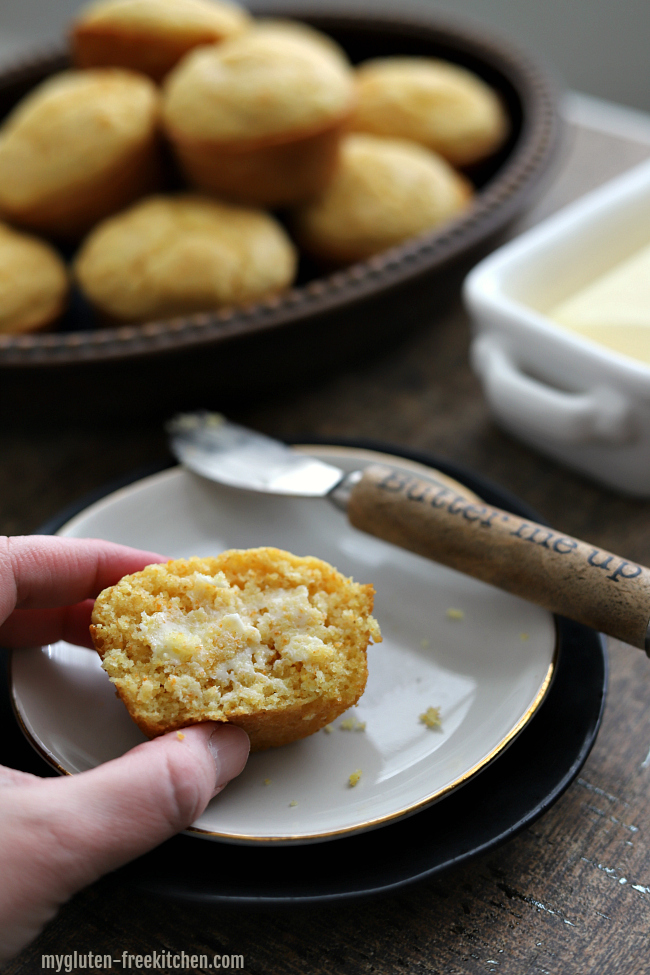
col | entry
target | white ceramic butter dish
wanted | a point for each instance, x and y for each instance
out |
(569, 396)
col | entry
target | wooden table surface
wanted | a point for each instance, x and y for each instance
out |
(571, 894)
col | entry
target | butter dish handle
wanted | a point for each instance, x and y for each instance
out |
(601, 414)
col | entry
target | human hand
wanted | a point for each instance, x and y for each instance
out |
(58, 835)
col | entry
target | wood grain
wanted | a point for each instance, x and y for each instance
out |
(563, 574)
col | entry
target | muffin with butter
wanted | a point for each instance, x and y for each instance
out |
(438, 104)
(174, 255)
(383, 192)
(33, 282)
(80, 146)
(258, 119)
(151, 36)
(260, 638)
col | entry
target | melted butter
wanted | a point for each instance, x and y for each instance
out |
(171, 639)
(240, 629)
(614, 310)
(236, 623)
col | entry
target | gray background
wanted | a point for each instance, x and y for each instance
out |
(597, 46)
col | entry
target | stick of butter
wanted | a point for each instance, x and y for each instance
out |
(614, 309)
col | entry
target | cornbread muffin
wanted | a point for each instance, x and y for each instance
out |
(176, 255)
(33, 282)
(260, 638)
(151, 36)
(299, 29)
(259, 118)
(383, 192)
(80, 146)
(442, 106)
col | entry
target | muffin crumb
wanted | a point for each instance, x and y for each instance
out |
(431, 718)
(352, 724)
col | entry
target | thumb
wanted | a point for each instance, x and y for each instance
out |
(93, 822)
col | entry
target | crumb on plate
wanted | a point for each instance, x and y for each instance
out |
(354, 778)
(352, 724)
(431, 718)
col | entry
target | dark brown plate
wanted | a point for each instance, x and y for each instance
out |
(325, 320)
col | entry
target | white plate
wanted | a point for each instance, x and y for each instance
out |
(487, 672)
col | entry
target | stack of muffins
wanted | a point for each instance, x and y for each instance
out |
(259, 116)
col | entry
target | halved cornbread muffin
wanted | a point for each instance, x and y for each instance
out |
(261, 638)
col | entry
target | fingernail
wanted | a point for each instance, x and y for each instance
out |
(229, 747)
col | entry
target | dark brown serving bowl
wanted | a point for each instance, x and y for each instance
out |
(323, 321)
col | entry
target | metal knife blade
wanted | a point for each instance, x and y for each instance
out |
(210, 445)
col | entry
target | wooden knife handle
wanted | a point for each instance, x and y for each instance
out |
(561, 573)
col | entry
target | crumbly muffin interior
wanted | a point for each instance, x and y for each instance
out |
(258, 637)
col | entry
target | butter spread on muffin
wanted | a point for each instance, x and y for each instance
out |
(383, 192)
(259, 117)
(261, 638)
(441, 105)
(33, 282)
(181, 254)
(151, 35)
(78, 147)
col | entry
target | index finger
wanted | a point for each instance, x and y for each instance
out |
(44, 571)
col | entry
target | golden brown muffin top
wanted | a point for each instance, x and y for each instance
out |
(175, 255)
(73, 127)
(438, 104)
(269, 81)
(299, 29)
(384, 191)
(182, 20)
(33, 282)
